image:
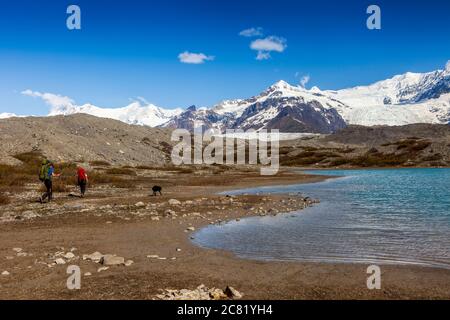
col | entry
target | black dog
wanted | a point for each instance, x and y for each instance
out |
(156, 189)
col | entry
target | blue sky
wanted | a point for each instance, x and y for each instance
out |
(130, 49)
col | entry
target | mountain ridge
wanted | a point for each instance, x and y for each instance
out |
(400, 100)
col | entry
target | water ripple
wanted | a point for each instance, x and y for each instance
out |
(377, 216)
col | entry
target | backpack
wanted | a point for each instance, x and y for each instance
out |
(81, 174)
(43, 173)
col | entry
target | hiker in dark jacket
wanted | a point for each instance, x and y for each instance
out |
(82, 180)
(46, 174)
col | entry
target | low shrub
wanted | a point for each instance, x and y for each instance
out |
(121, 171)
(434, 157)
(99, 163)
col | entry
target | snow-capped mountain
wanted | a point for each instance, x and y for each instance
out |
(281, 106)
(135, 113)
(6, 115)
(403, 99)
(407, 88)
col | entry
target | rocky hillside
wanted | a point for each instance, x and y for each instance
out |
(83, 138)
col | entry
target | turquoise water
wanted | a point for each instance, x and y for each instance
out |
(399, 216)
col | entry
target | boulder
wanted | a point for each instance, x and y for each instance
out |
(232, 293)
(112, 260)
(174, 202)
(217, 294)
(95, 257)
(69, 255)
(169, 212)
(200, 293)
(129, 263)
(30, 215)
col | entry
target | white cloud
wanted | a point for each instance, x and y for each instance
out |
(252, 32)
(53, 100)
(304, 81)
(194, 58)
(271, 43)
(267, 45)
(263, 55)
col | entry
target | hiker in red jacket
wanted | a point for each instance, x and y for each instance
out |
(82, 180)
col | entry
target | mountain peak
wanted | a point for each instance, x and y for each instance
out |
(447, 66)
(281, 85)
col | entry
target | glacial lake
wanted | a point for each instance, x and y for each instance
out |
(392, 216)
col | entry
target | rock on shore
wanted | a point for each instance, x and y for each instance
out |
(200, 293)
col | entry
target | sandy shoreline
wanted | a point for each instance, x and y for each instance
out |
(131, 232)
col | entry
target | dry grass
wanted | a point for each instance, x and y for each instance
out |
(145, 168)
(169, 168)
(33, 158)
(121, 171)
(14, 176)
(28, 172)
(99, 163)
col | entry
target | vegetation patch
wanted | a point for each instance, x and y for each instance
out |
(312, 156)
(99, 163)
(434, 157)
(411, 144)
(121, 171)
